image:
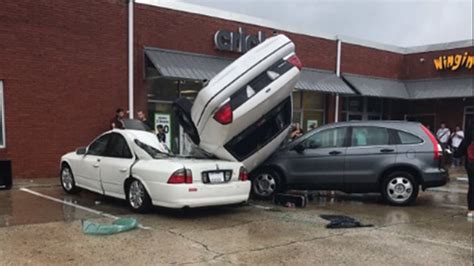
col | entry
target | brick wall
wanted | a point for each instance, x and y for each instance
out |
(64, 67)
(362, 60)
(63, 64)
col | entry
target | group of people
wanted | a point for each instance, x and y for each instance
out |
(450, 141)
(461, 146)
(118, 122)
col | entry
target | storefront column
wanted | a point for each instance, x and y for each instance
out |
(338, 74)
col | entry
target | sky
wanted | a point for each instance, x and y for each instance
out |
(403, 23)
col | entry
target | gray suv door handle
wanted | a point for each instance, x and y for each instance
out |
(387, 150)
(335, 153)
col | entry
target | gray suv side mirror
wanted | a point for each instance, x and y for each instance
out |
(299, 148)
(81, 151)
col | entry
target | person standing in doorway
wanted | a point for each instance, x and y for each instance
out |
(456, 138)
(466, 148)
(117, 121)
(442, 135)
(142, 117)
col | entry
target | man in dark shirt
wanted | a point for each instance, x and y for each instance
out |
(117, 121)
(141, 116)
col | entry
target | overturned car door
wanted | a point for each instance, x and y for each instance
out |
(244, 112)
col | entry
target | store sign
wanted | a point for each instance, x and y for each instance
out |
(164, 120)
(454, 62)
(239, 42)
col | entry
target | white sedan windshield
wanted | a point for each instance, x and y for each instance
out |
(149, 143)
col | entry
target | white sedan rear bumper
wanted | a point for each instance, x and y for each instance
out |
(199, 194)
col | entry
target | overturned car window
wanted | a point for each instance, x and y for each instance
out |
(262, 132)
(152, 151)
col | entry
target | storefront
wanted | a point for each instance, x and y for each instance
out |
(61, 90)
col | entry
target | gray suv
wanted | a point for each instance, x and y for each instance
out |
(391, 157)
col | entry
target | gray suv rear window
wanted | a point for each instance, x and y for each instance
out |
(407, 138)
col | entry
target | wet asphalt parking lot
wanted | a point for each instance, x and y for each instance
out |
(39, 231)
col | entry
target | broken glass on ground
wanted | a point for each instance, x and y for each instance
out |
(117, 226)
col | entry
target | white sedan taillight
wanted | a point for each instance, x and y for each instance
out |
(294, 60)
(182, 176)
(224, 114)
(243, 175)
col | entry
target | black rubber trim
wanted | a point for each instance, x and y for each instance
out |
(182, 110)
(230, 83)
(255, 126)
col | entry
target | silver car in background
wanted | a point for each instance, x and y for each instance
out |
(394, 158)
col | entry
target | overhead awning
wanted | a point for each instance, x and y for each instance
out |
(441, 88)
(322, 81)
(179, 64)
(176, 64)
(411, 89)
(377, 87)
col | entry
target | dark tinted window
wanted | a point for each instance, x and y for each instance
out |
(118, 147)
(98, 147)
(258, 83)
(329, 138)
(135, 124)
(263, 131)
(370, 136)
(407, 138)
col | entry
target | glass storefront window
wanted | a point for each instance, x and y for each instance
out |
(362, 108)
(2, 118)
(161, 94)
(297, 117)
(311, 111)
(313, 100)
(161, 113)
(374, 105)
(296, 100)
(161, 89)
(355, 104)
(312, 119)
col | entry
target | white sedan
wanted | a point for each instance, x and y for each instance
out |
(133, 165)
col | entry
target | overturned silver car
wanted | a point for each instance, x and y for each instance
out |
(244, 113)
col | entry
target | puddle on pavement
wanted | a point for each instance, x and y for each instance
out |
(19, 208)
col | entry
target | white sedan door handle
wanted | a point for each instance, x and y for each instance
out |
(123, 170)
(96, 165)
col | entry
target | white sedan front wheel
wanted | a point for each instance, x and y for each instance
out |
(67, 180)
(137, 197)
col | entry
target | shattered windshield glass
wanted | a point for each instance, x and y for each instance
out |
(152, 151)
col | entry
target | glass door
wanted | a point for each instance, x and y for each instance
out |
(468, 117)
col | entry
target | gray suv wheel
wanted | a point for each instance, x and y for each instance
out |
(400, 188)
(265, 183)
